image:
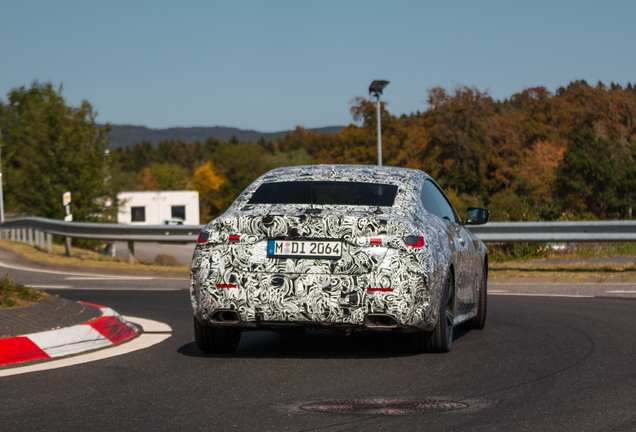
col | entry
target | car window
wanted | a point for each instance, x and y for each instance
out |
(326, 193)
(429, 203)
(442, 202)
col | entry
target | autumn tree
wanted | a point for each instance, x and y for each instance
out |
(208, 181)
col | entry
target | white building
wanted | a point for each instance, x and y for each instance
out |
(158, 208)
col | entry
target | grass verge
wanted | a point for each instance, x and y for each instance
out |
(16, 295)
(583, 270)
(84, 258)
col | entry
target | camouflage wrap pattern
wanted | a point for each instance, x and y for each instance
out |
(240, 276)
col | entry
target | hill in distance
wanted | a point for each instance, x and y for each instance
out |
(126, 135)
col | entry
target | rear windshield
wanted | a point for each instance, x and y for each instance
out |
(325, 192)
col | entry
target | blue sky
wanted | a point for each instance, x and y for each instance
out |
(271, 65)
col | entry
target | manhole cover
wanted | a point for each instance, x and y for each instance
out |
(384, 406)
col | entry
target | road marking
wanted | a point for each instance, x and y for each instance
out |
(49, 286)
(100, 276)
(540, 295)
(108, 278)
(621, 292)
(150, 326)
(114, 288)
(156, 332)
(565, 284)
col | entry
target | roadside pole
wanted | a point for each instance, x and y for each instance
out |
(66, 199)
(1, 195)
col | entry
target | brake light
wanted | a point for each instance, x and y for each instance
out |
(376, 241)
(379, 289)
(414, 241)
(226, 285)
(203, 237)
(234, 239)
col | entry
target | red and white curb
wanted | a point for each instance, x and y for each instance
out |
(107, 330)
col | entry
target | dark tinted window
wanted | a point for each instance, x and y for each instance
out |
(178, 212)
(325, 192)
(429, 202)
(138, 214)
(442, 202)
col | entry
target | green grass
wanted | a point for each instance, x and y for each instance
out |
(537, 252)
(14, 294)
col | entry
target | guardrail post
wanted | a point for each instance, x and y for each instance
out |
(30, 236)
(49, 242)
(67, 246)
(23, 235)
(131, 252)
(12, 234)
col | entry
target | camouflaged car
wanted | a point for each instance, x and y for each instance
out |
(354, 248)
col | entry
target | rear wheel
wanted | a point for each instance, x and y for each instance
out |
(479, 321)
(440, 339)
(216, 339)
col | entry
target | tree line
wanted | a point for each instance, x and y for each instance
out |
(535, 156)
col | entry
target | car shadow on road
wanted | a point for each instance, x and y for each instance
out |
(268, 344)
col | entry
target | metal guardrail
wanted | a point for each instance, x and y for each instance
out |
(32, 229)
(556, 232)
(531, 232)
(109, 232)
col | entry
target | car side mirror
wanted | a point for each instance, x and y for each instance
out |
(477, 216)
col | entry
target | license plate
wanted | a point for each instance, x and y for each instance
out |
(304, 249)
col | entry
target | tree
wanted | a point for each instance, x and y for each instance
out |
(208, 182)
(52, 148)
(586, 180)
(240, 163)
(163, 177)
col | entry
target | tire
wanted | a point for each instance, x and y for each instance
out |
(479, 321)
(440, 339)
(215, 340)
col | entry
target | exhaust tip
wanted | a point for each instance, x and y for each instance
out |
(226, 317)
(380, 321)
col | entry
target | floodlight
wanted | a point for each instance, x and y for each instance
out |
(376, 87)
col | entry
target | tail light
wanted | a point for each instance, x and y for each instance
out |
(203, 237)
(414, 241)
(234, 239)
(376, 241)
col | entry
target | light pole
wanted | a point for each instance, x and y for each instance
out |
(375, 90)
(1, 196)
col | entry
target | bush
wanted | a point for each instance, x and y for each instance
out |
(501, 252)
(167, 260)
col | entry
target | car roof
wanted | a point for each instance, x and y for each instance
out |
(363, 173)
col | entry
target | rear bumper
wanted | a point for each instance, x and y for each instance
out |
(264, 300)
(372, 322)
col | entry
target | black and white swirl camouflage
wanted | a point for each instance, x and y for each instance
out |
(241, 277)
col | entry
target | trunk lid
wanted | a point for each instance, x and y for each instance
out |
(364, 236)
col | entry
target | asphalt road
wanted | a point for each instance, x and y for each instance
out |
(541, 363)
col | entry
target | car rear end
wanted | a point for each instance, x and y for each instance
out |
(350, 256)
